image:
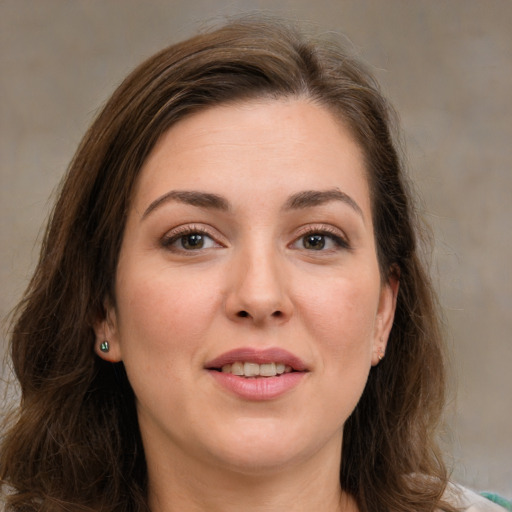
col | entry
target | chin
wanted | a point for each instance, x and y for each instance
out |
(260, 448)
(258, 461)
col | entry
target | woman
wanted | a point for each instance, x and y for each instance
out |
(230, 310)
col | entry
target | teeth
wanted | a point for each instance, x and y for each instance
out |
(237, 368)
(251, 369)
(268, 369)
(248, 369)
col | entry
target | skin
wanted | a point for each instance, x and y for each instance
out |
(255, 283)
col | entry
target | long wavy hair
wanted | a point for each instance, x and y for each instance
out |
(74, 441)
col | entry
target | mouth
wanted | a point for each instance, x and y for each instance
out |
(252, 370)
(258, 375)
(251, 363)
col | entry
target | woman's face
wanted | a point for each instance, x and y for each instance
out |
(249, 247)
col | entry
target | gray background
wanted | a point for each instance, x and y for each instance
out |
(447, 67)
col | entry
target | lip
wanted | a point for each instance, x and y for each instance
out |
(260, 356)
(258, 388)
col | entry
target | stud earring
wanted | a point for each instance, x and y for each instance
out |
(105, 346)
(381, 354)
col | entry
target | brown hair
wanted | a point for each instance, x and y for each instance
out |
(74, 443)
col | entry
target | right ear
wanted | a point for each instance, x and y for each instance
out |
(107, 345)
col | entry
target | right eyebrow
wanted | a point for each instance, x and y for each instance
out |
(192, 197)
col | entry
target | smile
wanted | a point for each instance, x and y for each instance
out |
(257, 374)
(254, 362)
(250, 369)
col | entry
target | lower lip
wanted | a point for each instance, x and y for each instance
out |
(258, 388)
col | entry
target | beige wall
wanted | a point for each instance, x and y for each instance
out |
(447, 66)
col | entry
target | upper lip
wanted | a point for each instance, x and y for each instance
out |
(260, 356)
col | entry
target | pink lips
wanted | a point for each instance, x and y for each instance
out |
(258, 388)
(269, 355)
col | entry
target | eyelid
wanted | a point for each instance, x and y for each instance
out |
(338, 235)
(186, 229)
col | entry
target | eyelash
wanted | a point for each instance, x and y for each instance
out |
(325, 231)
(179, 233)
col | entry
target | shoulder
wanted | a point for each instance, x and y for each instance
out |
(469, 501)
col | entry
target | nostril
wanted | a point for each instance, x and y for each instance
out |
(245, 314)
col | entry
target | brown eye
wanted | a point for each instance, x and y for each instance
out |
(189, 241)
(315, 242)
(320, 241)
(193, 241)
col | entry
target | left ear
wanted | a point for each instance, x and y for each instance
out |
(385, 315)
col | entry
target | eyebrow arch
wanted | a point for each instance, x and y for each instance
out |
(309, 198)
(192, 197)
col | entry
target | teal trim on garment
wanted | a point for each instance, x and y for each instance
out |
(507, 505)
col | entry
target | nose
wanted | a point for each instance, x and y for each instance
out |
(258, 289)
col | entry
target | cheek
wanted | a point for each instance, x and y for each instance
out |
(164, 310)
(162, 326)
(341, 316)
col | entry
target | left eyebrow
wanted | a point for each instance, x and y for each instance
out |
(309, 198)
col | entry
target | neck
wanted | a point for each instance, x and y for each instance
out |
(198, 487)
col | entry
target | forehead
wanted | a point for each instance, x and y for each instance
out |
(259, 144)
